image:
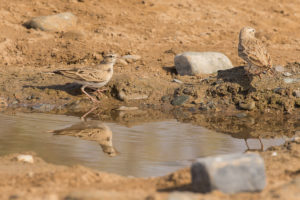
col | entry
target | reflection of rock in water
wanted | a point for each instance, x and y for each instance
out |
(93, 131)
(245, 125)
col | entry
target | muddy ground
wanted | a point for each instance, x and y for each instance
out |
(227, 101)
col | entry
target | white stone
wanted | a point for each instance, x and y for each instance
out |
(291, 80)
(193, 63)
(25, 158)
(125, 108)
(58, 22)
(131, 58)
(274, 153)
(287, 74)
(279, 68)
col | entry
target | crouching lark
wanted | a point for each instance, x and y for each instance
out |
(253, 52)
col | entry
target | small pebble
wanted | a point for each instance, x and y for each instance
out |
(125, 108)
(274, 153)
(247, 106)
(279, 68)
(291, 80)
(177, 101)
(287, 74)
(177, 81)
(241, 115)
(43, 107)
(131, 58)
(25, 158)
(183, 196)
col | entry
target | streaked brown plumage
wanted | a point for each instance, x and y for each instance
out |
(253, 52)
(92, 77)
(93, 131)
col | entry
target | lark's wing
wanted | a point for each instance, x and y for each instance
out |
(86, 74)
(255, 53)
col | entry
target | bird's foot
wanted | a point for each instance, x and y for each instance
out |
(95, 101)
(83, 117)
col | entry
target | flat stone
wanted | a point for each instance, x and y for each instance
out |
(183, 196)
(287, 74)
(279, 68)
(177, 81)
(58, 22)
(25, 158)
(291, 80)
(177, 101)
(230, 173)
(125, 108)
(247, 106)
(193, 63)
(43, 107)
(131, 58)
(134, 96)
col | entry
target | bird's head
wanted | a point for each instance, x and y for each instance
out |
(247, 32)
(110, 58)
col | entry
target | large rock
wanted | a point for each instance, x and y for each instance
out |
(193, 63)
(231, 173)
(59, 22)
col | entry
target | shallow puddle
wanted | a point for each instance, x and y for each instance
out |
(149, 149)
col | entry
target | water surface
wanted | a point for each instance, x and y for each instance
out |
(149, 149)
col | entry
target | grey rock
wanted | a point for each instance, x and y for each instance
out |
(131, 58)
(241, 115)
(291, 80)
(296, 93)
(279, 68)
(247, 106)
(43, 107)
(231, 173)
(179, 100)
(193, 63)
(58, 22)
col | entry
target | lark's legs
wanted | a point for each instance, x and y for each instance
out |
(93, 99)
(83, 117)
(261, 144)
(246, 144)
(99, 91)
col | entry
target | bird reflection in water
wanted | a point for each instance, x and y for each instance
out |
(93, 131)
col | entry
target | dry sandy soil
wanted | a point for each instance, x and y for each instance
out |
(157, 31)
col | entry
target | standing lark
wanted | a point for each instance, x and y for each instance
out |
(253, 52)
(92, 77)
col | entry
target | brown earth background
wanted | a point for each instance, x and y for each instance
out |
(157, 31)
